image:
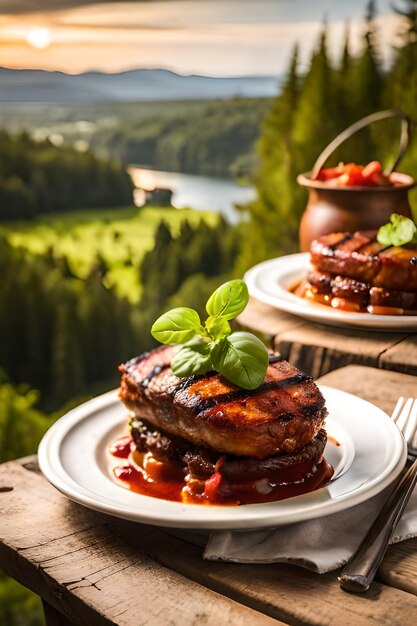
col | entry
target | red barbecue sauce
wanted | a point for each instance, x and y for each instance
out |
(143, 474)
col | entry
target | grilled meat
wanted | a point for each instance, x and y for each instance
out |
(363, 294)
(340, 286)
(283, 414)
(360, 257)
(406, 300)
(201, 463)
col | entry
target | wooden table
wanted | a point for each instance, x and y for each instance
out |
(92, 569)
(319, 349)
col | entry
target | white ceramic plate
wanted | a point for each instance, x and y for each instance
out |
(371, 454)
(270, 282)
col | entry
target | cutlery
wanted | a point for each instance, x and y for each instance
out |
(360, 570)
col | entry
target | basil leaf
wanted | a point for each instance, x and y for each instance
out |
(398, 232)
(384, 235)
(404, 232)
(217, 327)
(228, 300)
(241, 358)
(192, 359)
(177, 326)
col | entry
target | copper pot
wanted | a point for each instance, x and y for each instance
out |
(333, 209)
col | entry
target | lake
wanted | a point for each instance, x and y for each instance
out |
(202, 193)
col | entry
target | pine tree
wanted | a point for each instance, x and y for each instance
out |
(365, 97)
(346, 114)
(402, 80)
(275, 144)
(266, 233)
(67, 364)
(314, 121)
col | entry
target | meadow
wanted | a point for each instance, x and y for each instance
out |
(120, 237)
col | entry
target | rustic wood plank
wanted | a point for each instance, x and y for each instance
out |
(73, 559)
(291, 594)
(318, 349)
(382, 388)
(402, 356)
(112, 571)
(399, 568)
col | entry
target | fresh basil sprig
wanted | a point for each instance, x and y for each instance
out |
(240, 357)
(398, 232)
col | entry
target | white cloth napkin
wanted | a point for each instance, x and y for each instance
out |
(321, 544)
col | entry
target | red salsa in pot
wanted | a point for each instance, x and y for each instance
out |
(355, 175)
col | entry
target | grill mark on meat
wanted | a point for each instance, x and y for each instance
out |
(364, 245)
(190, 380)
(382, 250)
(333, 247)
(275, 358)
(156, 370)
(343, 239)
(389, 267)
(209, 411)
(372, 240)
(238, 395)
(306, 411)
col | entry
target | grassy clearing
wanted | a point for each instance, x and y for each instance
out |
(120, 236)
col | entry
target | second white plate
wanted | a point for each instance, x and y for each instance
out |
(370, 455)
(271, 281)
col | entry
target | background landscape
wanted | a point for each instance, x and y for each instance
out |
(147, 157)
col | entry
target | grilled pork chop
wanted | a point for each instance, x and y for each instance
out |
(283, 414)
(360, 257)
(360, 293)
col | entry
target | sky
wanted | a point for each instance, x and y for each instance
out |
(210, 37)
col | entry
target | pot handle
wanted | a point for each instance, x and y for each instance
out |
(365, 121)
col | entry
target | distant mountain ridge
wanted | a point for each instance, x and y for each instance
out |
(141, 84)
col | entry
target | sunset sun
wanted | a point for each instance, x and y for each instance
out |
(39, 37)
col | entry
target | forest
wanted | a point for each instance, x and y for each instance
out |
(216, 139)
(63, 335)
(205, 137)
(38, 177)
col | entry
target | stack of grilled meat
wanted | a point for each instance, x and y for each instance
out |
(235, 446)
(357, 268)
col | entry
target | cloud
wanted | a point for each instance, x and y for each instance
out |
(231, 10)
(22, 7)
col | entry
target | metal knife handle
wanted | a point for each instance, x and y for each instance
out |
(360, 571)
